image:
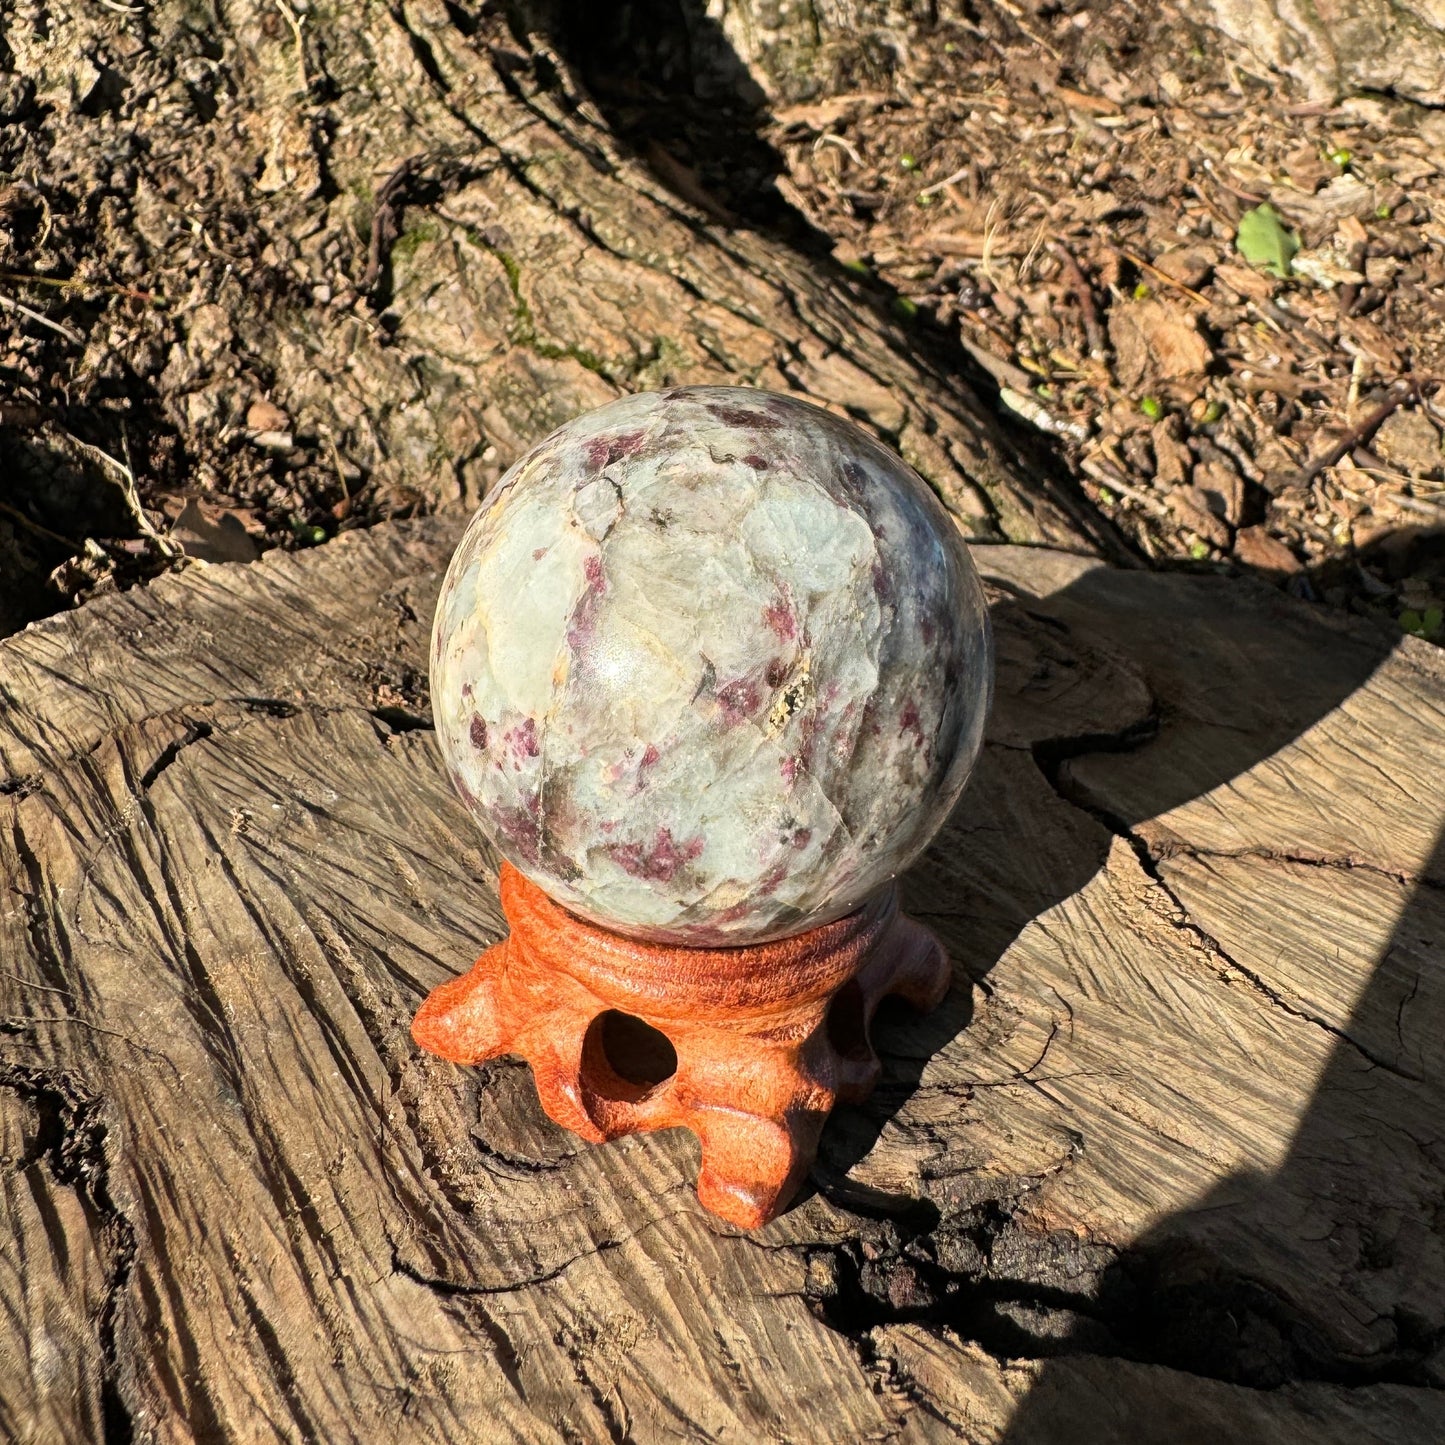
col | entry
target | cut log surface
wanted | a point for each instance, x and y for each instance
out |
(1165, 1165)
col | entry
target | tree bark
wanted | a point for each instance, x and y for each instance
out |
(408, 226)
(1332, 47)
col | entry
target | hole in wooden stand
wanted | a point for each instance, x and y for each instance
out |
(846, 1024)
(635, 1051)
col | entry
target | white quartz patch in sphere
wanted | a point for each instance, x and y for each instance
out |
(710, 666)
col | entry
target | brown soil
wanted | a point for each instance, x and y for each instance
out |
(1065, 190)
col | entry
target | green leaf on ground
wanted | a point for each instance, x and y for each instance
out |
(1265, 240)
(1426, 625)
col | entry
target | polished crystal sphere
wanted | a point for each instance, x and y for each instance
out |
(710, 666)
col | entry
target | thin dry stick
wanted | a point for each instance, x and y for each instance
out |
(846, 147)
(1415, 504)
(1154, 271)
(1033, 411)
(1079, 284)
(126, 478)
(958, 175)
(295, 22)
(990, 231)
(42, 320)
(1343, 473)
(1358, 372)
(1035, 246)
(340, 472)
(62, 284)
(36, 527)
(1021, 21)
(1356, 436)
(1109, 476)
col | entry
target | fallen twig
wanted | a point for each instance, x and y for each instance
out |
(1164, 276)
(1356, 436)
(126, 479)
(67, 332)
(66, 284)
(1111, 477)
(959, 175)
(828, 138)
(295, 22)
(1079, 284)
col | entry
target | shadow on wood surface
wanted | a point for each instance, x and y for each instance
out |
(1224, 1291)
(1233, 1288)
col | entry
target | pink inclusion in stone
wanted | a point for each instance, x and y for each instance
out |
(779, 617)
(661, 862)
(738, 700)
(771, 595)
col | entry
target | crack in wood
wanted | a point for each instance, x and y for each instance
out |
(1185, 923)
(1345, 863)
(468, 1288)
(72, 1141)
(196, 732)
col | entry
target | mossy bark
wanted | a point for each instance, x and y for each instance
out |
(409, 226)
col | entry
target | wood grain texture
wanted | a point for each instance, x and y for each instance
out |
(1171, 1138)
(1107, 1402)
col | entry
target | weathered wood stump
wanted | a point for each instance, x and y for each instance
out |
(1174, 1135)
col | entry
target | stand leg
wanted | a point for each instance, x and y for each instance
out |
(462, 1020)
(752, 1167)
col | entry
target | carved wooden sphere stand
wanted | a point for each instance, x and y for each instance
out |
(710, 668)
(764, 1040)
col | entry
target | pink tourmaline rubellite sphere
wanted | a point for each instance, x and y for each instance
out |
(710, 666)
